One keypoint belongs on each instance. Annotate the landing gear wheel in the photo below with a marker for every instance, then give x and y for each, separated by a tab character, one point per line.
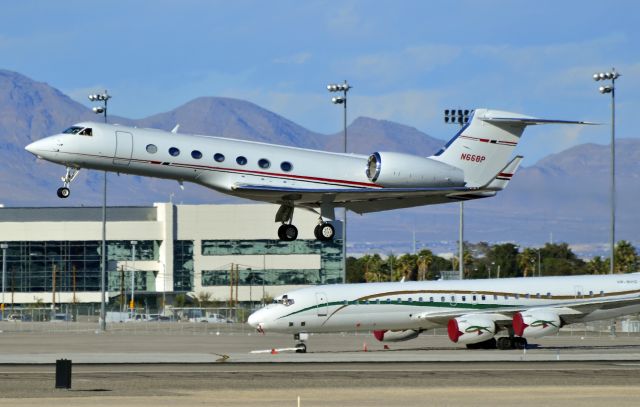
504	343
519	343
324	231
287	232
63	192
301	348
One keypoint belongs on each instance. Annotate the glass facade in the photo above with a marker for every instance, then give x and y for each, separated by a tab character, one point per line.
75	265
330	271
183	265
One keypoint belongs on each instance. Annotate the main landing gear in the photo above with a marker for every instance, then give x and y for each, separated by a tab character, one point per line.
64	191
324	231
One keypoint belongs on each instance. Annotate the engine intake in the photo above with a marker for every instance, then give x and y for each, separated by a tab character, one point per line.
397	170
536	323
471	329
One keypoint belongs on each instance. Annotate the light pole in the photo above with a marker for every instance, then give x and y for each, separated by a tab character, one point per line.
461	117
103	256
612	76
342	100
4	247
132	304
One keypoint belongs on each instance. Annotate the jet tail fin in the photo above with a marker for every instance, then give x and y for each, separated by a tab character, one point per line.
485	144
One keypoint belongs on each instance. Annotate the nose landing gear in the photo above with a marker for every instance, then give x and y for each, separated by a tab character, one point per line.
64	191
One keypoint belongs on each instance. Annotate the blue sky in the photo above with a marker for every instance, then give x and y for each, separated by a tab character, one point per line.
406	60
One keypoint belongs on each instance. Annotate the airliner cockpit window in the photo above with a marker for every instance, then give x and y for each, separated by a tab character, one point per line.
73	130
86	132
286	301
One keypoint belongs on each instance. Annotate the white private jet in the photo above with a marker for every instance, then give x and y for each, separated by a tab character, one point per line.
473	311
473	164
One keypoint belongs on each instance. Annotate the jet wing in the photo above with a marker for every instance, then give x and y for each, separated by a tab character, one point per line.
359	200
569	312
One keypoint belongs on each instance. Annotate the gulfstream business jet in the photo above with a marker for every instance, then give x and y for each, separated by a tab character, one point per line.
475	163
489	313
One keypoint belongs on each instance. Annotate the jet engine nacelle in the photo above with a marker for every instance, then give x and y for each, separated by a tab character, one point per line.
471	329
396	336
536	323
397	170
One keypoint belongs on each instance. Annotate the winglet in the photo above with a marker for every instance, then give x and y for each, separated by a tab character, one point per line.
175	129
502	178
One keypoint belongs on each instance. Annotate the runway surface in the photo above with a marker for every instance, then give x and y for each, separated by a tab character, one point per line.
333	384
214	366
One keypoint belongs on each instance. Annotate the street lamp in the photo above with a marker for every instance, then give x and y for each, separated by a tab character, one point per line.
4	247
342	100
132	304
461	117
612	76
103	257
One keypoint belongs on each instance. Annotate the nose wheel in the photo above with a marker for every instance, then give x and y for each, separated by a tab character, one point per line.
64	192
70	175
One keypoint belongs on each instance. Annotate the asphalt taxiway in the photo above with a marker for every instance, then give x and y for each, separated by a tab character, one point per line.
214	365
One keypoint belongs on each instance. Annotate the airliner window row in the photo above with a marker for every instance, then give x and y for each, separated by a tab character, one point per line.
453	298
263	163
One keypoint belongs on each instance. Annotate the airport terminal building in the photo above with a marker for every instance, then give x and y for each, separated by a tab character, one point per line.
53	255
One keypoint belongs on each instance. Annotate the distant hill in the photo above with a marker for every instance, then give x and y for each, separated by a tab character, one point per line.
565	194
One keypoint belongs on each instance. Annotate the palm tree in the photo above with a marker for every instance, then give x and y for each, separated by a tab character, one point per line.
626	257
425	258
527	260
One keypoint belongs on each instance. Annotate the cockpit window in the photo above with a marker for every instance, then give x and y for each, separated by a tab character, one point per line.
86	132
73	130
284	300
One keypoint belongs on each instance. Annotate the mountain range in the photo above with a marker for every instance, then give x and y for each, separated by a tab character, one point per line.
565	195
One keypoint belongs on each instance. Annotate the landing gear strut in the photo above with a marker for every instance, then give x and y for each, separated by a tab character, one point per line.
64	191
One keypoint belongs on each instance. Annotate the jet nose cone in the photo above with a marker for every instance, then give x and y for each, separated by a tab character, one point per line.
39	146
254	319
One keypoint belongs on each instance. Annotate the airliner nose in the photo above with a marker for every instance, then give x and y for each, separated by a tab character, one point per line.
254	319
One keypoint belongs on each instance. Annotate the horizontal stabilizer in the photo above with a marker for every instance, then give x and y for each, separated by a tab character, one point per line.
493	116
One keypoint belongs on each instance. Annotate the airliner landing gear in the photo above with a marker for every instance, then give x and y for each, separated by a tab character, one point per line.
287	232
64	191
513	342
301	347
324	231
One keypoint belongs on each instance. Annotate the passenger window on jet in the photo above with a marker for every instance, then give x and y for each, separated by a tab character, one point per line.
495	297
241	160
286	166
441	299
264	163
474	298
152	149
419	299
602	293
538	295
590	293
196	154
72	130
464	298
86	132
430	299
174	151
218	157
399	300
483	298
388	300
